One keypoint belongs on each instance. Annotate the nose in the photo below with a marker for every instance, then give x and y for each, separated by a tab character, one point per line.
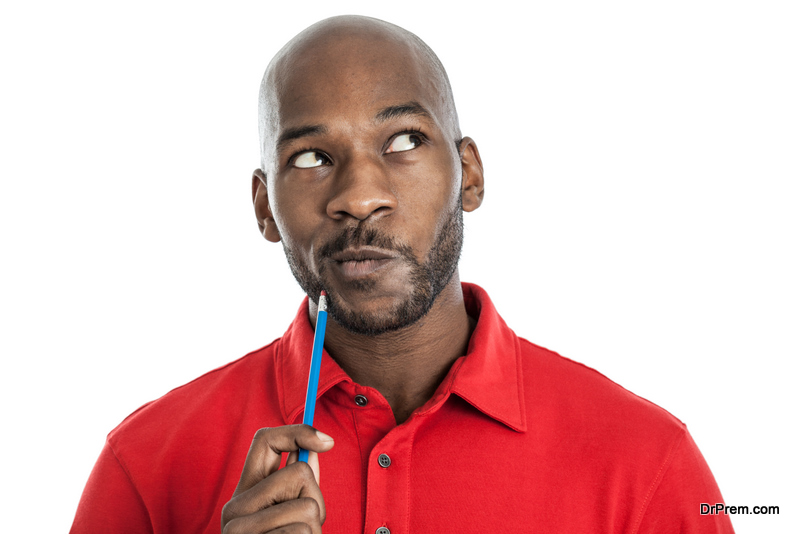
362	189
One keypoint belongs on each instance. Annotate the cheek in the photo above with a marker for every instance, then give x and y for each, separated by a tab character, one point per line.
432	181
428	198
293	217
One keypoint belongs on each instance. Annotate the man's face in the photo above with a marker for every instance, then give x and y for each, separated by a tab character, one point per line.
365	182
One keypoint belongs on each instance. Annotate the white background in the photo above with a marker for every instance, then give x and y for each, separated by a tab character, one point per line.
641	213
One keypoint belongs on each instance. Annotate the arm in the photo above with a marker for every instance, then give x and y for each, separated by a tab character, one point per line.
110	501
675	503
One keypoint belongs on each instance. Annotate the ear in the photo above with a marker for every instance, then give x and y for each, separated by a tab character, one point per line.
471	175
266	223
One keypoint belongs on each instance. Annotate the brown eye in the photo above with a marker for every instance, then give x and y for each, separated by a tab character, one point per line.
310	159
404	142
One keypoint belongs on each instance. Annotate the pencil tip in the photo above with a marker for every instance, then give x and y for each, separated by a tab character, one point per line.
323	294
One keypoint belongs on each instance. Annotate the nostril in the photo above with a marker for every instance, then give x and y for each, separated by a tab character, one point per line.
361	208
361	188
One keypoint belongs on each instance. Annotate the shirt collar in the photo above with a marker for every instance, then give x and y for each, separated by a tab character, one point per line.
489	376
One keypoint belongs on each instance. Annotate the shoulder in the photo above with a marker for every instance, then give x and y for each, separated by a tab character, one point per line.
184	451
587	402
623	454
209	400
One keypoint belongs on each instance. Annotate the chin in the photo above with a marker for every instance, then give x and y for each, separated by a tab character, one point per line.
373	317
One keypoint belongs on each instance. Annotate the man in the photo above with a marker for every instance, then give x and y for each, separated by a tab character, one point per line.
442	418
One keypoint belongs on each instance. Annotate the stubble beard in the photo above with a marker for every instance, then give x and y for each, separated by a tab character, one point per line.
427	279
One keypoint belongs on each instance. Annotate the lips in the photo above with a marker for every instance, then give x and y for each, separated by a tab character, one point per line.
361	262
362	254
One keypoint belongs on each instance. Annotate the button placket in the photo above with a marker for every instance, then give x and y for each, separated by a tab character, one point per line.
388	488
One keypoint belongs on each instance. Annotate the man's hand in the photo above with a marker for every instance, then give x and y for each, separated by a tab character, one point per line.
268	498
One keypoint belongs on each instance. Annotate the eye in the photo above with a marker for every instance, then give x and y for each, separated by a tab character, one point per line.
310	159
403	142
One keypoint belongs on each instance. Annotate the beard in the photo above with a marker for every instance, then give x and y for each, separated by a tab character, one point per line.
427	279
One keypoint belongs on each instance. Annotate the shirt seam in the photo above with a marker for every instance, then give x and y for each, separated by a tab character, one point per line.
364	477
659	478
208	373
132	483
596	372
279	364
523	419
408	478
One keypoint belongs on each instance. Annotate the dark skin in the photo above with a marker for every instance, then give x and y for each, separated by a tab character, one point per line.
402	174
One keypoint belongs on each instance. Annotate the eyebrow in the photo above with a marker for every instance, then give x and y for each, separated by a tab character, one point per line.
403	110
296	133
409	109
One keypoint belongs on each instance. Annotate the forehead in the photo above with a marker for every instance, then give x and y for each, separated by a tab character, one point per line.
348	78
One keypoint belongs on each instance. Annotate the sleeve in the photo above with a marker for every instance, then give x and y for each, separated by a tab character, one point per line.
110	501
675	505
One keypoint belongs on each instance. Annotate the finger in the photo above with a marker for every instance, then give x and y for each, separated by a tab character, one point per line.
264	456
294	482
298	515
313	462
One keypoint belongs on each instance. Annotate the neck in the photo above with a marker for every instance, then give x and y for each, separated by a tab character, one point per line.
406	365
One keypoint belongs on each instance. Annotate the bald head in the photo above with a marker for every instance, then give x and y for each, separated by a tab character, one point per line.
350	56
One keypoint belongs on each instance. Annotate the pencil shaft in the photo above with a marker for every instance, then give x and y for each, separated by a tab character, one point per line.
313	374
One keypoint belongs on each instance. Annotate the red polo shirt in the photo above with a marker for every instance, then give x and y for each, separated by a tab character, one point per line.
516	438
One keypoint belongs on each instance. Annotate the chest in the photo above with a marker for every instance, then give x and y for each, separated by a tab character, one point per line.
458	469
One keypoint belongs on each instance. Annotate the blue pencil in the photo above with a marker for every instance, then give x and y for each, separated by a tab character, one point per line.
316	363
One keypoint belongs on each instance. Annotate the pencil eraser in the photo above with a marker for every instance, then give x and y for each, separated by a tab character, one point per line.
323	294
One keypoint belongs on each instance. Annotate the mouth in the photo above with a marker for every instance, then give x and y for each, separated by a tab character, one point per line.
362	254
361	262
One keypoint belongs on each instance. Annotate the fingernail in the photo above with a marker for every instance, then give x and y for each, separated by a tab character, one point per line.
323	437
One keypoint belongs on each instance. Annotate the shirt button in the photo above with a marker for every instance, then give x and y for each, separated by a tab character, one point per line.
384	460
361	400
382	530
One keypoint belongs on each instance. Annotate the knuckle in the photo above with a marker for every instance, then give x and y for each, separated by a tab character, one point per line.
310	508
305	472
229	512
303	528
227	515
261	433
231	527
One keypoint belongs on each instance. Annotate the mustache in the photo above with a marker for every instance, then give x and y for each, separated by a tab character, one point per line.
362	236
